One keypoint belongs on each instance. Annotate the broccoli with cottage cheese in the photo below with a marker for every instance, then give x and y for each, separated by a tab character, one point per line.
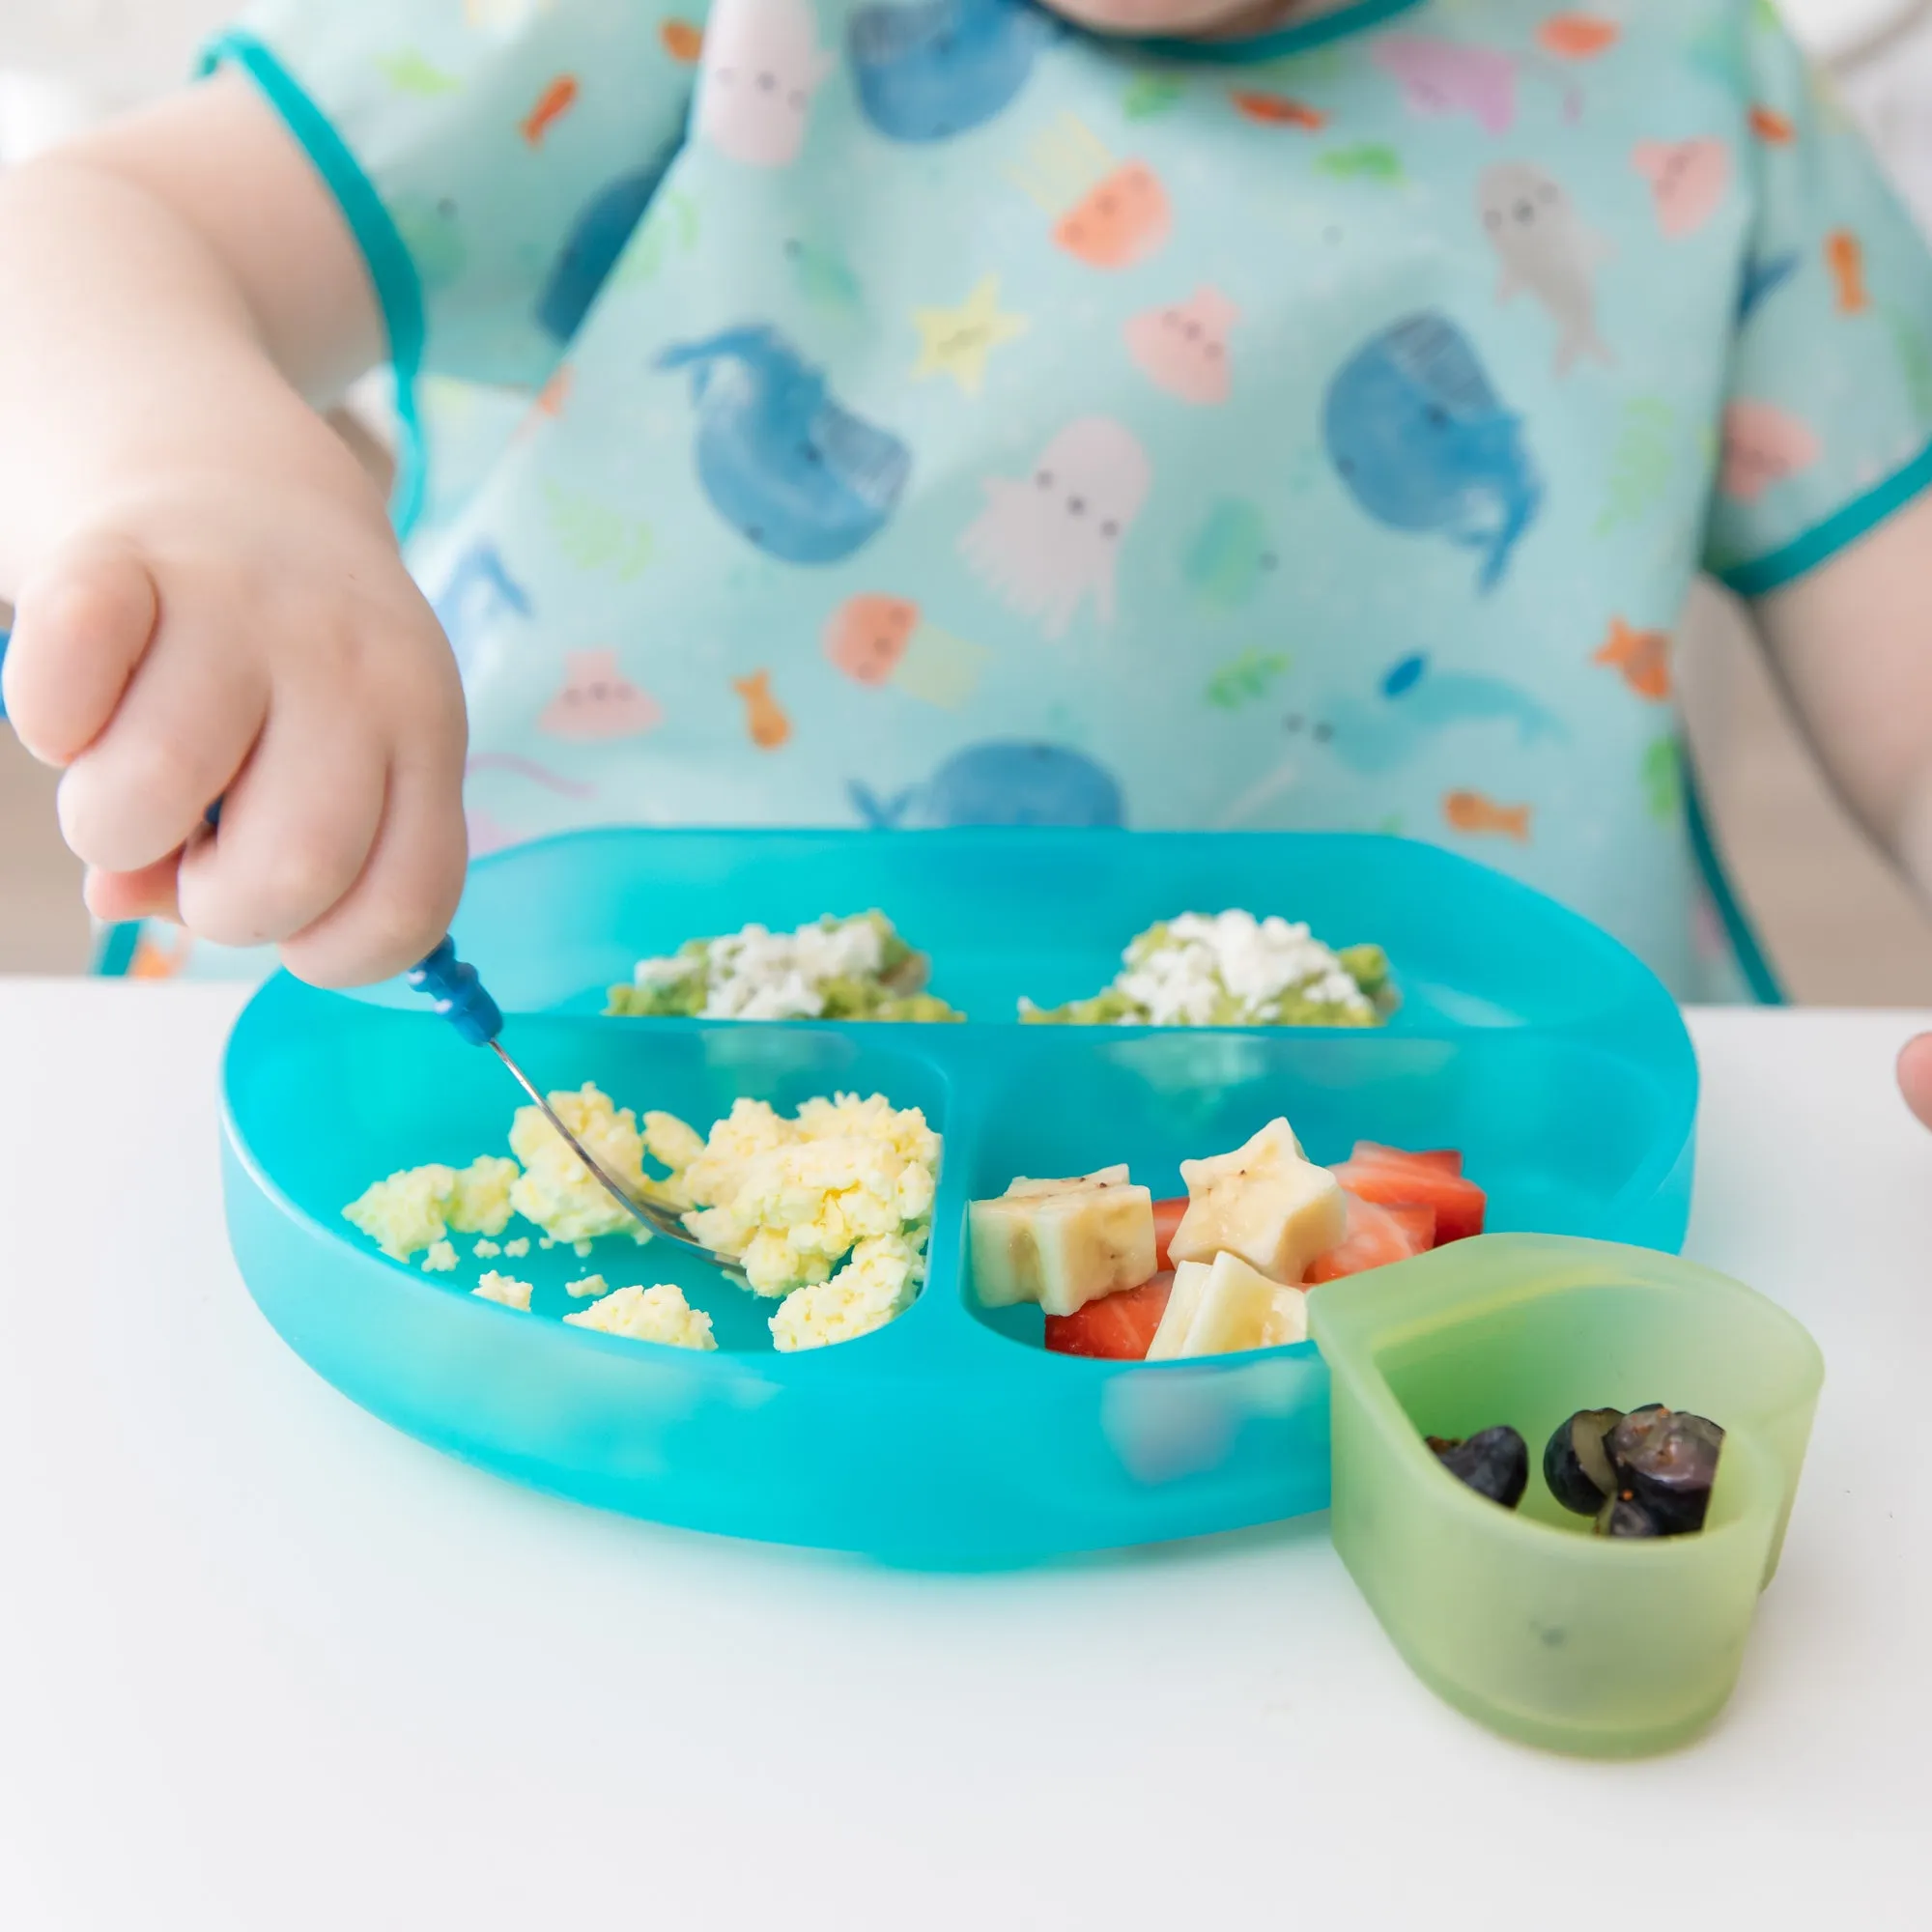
1235	970
834	969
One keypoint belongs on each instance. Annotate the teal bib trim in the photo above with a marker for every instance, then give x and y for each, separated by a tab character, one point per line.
1284	41
398	291
1816	547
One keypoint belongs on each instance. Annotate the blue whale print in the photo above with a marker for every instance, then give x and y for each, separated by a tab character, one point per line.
1426	445
1001	784
1416	703
601	234
781	459
939	68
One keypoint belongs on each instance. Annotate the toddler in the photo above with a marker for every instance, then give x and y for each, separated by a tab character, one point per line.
1171	413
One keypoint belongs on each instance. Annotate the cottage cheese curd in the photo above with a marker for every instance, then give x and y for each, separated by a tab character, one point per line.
1233	969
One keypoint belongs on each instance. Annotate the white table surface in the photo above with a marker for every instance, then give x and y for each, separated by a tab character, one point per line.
266	1665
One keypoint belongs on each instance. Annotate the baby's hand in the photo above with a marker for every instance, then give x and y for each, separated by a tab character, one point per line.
1914	1077
236	638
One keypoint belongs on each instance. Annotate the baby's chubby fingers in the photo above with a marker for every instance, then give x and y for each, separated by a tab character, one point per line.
296	825
117	898
80	629
183	730
402	904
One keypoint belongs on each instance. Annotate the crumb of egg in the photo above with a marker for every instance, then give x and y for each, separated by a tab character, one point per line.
518	1248
875	1286
440	1258
591	1283
486	1251
504	1290
658	1313
555	1190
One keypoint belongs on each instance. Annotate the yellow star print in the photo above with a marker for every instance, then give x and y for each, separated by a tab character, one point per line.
956	342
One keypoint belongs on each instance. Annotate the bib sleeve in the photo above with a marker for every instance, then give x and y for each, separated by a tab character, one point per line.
492	157
1827	425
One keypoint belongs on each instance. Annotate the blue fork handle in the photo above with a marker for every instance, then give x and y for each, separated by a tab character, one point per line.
450	985
455	991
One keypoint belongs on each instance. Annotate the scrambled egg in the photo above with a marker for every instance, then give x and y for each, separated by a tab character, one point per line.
518	1248
876	1285
440	1258
591	1283
504	1289
649	1314
789	1198
416	1208
556	1189
486	1250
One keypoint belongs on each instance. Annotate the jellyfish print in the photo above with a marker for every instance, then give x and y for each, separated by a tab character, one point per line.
596	702
876	639
762	66
1047	542
1106	213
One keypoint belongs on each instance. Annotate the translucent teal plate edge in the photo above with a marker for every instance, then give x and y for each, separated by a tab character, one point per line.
950	1440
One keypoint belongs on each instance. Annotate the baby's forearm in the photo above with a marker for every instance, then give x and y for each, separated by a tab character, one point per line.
129	354
1854	645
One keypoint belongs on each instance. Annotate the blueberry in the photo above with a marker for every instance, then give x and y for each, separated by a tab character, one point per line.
1667	1460
1624	1518
1494	1464
1577	1465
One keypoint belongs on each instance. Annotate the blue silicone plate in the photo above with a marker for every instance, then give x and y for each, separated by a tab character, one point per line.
952	1438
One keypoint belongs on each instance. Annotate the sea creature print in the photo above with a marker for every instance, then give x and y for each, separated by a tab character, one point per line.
1230	557
1689	180
1440	78
931	69
1105	212
1642	657
761	68
1577	36
956	342
596	242
877	640
1183	347
411	71
1477	816
1415	704
1773	129
683	41
1425	446
597	704
1047	542
1763	277
552	105
1548	251
1001	783
1245	679
476	597
1764	445
1278	110
765	719
154	959
781	459
1845	258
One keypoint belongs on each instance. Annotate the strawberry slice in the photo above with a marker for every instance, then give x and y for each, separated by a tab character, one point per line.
1393	1178
1377	1237
1166	1219
1117	1328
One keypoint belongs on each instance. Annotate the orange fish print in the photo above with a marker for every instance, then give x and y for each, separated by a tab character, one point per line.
153	961
1643	657
1577	36
1479	817
552	104
556	392
764	716
1768	124
682	42
1845	257
1277	110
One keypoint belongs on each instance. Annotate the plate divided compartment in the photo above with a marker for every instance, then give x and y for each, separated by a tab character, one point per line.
952	1438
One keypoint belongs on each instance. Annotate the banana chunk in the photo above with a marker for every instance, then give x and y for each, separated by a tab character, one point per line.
1063	1243
1226	1308
1266	1202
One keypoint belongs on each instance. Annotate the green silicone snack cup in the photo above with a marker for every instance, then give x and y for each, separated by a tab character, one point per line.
1525	1621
